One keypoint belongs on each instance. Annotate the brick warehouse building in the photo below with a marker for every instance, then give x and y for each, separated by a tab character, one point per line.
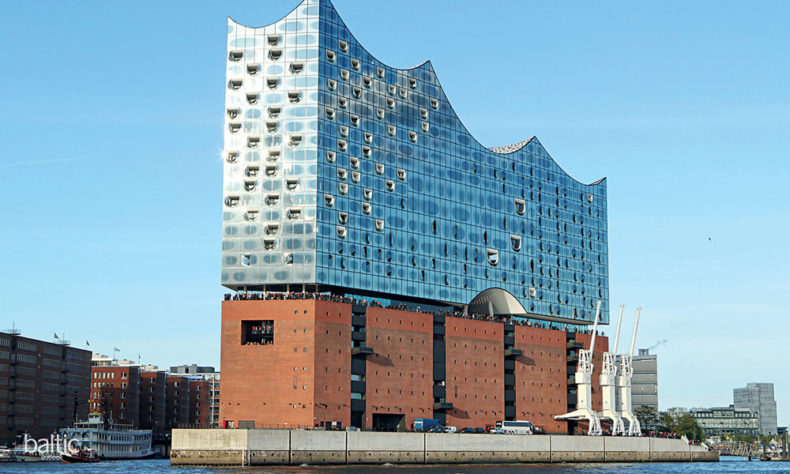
149	399
204	403
468	373
115	391
351	182
153	402
43	385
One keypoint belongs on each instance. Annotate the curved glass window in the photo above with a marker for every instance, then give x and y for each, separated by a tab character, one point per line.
493	256
515	242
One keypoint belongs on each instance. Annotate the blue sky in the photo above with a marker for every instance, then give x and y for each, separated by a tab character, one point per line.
111	118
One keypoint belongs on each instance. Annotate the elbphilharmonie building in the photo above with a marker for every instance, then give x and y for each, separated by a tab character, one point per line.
410	254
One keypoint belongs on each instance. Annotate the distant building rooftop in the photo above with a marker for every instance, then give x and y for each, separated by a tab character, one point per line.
191	369
101	360
645	353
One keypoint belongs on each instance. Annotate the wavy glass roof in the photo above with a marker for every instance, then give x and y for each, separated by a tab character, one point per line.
426	69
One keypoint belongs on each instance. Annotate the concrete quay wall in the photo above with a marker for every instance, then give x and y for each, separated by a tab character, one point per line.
442	448
214	447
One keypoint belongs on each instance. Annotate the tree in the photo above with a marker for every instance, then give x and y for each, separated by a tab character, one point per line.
687	425
648	417
665	421
680	421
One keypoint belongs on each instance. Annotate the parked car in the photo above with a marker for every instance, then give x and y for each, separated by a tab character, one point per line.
450	429
436	429
468	430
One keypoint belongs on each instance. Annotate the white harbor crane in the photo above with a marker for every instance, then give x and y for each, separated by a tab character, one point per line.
584	370
625	371
608	389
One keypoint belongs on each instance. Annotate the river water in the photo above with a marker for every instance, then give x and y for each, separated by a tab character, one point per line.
727	464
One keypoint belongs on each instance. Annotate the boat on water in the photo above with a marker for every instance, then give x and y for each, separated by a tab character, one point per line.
20	455
83	455
108	439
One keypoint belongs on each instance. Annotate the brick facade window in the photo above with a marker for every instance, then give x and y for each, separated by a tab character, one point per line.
257	332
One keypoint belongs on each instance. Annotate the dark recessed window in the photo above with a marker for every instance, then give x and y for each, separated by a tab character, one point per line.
258	332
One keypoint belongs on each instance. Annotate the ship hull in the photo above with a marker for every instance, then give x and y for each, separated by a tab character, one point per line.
27	458
68	459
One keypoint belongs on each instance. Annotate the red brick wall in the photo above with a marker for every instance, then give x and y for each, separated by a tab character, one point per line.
270	384
199	402
541	387
475	372
400	373
152	401
49	381
333	362
120	389
177	401
258	380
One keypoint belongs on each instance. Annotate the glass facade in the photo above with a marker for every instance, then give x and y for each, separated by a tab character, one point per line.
727	420
343	172
759	398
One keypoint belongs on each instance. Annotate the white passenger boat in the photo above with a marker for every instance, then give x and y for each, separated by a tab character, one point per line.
110	440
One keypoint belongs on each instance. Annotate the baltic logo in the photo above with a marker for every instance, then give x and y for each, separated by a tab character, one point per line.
55	445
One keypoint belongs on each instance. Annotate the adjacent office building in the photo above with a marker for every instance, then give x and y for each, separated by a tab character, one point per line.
189	402
437	277
148	398
720	421
644	383
191	369
115	392
759	398
206	403
43	385
153	402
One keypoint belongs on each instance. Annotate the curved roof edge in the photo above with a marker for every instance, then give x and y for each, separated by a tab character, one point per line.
501	150
427	64
513	147
269	24
328	3
597	182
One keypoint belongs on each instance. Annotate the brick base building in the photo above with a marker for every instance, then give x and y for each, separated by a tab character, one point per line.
152	400
43	386
313	363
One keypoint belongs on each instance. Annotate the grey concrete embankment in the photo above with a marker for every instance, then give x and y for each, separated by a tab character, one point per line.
318	447
443	448
629	449
284	447
367	447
